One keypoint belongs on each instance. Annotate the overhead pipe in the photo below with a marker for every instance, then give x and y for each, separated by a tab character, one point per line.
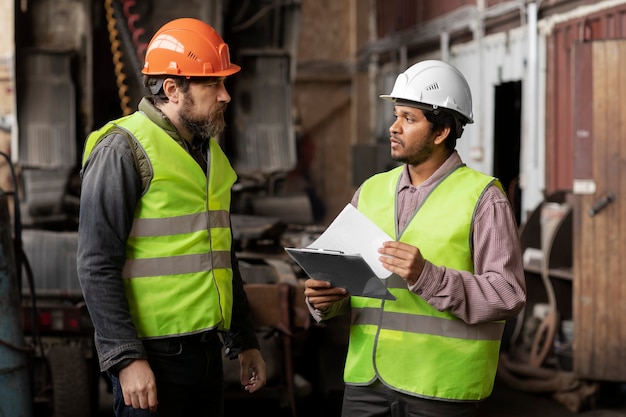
533	152
477	146
444	42
459	19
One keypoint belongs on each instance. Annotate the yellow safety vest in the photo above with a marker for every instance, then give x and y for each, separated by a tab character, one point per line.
178	273
406	343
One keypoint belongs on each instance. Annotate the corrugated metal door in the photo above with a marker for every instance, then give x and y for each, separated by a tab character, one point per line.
599	289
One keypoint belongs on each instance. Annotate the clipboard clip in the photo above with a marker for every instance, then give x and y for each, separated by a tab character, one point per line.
337	252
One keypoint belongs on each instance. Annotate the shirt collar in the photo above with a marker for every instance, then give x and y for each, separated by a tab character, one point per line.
451	163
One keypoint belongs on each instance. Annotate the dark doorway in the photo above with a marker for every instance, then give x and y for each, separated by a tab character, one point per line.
507	133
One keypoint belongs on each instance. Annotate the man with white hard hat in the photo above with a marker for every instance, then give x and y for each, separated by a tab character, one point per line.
456	263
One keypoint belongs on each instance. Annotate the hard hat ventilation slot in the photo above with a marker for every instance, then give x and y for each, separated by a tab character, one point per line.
193	56
433	86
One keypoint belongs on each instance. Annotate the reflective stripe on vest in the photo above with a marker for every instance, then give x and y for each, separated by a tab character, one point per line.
178	272
406	342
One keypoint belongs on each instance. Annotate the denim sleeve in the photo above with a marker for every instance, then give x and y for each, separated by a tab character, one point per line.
110	191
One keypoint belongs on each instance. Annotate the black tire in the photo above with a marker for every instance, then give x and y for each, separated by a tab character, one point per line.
70	385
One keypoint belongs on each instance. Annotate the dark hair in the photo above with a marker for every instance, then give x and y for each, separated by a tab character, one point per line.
440	120
153	83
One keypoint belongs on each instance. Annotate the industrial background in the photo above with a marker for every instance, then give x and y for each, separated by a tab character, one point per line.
305	128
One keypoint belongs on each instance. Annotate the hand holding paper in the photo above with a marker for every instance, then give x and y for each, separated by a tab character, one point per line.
346	254
353	233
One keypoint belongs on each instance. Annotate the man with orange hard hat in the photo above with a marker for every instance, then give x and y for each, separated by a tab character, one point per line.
155	259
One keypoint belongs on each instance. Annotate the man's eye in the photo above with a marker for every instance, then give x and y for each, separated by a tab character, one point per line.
210	84
407	118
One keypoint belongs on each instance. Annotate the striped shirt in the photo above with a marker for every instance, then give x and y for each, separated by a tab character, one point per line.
497	288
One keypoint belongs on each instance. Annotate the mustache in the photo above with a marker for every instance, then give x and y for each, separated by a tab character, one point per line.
221	108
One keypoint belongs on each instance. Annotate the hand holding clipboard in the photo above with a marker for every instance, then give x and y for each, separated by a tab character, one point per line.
346	255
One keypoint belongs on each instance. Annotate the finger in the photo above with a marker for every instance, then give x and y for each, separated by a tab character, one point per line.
316	284
336	293
153	402
325	300
389	253
326	297
389	261
254	383
392	252
244	375
127	399
144	403
249	381
136	401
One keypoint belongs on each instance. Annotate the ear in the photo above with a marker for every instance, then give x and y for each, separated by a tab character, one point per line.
170	89
441	135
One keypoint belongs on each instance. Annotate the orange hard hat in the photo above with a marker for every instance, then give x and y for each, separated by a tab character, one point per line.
188	47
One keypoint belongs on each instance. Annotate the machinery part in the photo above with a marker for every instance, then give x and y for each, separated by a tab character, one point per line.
14	399
127	46
137	32
434	84
70	387
122	88
188	47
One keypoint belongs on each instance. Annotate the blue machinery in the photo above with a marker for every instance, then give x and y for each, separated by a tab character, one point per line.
15	389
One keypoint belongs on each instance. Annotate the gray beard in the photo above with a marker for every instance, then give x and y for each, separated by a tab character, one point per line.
204	128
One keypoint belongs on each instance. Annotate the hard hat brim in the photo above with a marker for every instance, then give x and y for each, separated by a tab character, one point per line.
422	106
233	69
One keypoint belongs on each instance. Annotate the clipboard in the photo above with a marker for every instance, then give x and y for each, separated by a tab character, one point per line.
349	271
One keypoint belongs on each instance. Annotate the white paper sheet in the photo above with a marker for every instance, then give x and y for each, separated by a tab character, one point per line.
351	232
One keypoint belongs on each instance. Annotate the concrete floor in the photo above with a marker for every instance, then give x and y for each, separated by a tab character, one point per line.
504	402
508	402
324	354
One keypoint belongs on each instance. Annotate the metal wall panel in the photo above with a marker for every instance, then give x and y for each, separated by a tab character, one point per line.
263	124
47	137
47	113
500	58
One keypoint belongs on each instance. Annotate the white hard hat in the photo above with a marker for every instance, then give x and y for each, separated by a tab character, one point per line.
435	84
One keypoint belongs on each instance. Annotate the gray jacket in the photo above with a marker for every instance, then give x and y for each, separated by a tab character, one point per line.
113	180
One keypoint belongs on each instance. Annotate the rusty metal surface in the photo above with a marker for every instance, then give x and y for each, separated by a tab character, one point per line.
560	110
